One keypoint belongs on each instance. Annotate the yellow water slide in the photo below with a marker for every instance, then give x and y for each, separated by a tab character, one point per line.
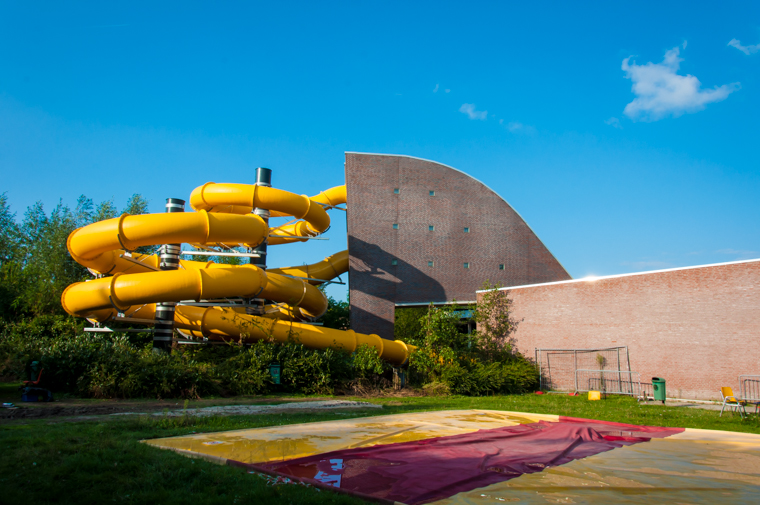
128	285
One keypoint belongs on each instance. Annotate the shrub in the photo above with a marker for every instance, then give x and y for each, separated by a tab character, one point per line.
478	363
116	366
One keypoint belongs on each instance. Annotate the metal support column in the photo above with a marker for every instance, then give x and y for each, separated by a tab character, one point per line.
575	368
263	178
168	260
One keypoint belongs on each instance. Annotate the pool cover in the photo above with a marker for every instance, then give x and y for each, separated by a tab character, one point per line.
464	457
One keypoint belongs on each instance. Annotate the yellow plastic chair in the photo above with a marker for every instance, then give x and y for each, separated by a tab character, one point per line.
729	400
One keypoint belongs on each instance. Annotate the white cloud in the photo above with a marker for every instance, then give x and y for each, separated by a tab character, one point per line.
518	127
448	90
435	90
469	109
661	92
745	49
614	122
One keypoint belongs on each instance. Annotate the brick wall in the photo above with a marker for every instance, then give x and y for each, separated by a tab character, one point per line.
497	235
698	328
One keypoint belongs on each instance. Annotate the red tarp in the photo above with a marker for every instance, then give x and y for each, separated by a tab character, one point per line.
432	469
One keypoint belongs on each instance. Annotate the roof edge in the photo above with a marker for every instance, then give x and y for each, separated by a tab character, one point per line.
480	182
605	277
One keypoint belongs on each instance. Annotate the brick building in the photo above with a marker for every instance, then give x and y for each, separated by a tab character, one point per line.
697	327
421	232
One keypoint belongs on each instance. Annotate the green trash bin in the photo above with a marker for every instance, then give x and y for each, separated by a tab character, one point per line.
658	385
275	371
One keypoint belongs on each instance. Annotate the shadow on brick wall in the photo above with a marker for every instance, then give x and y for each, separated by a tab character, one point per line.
384	284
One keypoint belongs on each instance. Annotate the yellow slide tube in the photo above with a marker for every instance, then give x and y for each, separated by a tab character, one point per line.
329	268
289	233
83	299
219	323
295	293
220	195
242	198
87	244
217	198
331	197
122	291
137	284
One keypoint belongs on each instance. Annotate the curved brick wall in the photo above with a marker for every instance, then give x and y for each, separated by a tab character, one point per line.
498	235
696	327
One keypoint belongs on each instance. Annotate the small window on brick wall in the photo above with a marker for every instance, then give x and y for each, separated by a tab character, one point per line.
467	229
430	263
394	262
467	264
501	266
395	226
432	193
396	191
431	227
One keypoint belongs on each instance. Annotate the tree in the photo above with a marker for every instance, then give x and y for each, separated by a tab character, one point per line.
495	325
35	264
47	266
105	210
337	314
8	231
136	205
407	326
83	214
9	242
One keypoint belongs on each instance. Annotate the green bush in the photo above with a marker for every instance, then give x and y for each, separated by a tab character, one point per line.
20	341
244	371
448	360
105	365
132	373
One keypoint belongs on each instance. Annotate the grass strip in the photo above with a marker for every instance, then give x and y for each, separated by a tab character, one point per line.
103	461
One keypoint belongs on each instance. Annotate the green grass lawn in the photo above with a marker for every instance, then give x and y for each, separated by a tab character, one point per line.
9	392
102	461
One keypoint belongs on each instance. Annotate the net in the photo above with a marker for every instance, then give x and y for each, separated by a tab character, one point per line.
558	366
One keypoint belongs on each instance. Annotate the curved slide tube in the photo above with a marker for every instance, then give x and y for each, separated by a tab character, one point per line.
130	284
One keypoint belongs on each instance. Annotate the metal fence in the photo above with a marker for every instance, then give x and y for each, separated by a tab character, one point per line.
647	391
557	366
750	387
615	382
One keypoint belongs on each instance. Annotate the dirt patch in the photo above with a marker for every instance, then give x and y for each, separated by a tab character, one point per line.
232	410
79	408
89	408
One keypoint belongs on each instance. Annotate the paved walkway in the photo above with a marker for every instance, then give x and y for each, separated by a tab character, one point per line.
693	405
232	410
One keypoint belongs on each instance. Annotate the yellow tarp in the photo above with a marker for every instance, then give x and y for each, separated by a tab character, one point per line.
693	467
281	443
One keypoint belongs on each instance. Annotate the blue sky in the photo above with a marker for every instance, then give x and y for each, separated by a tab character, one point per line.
624	133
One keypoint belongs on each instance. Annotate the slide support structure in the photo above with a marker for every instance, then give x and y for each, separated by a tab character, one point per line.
263	178
163	332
